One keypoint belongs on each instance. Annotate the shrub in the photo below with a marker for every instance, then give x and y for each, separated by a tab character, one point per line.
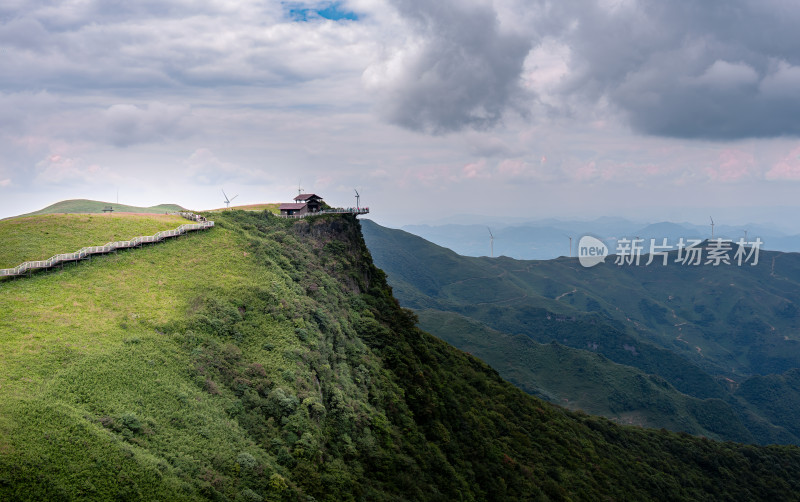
248	495
246	460
131	422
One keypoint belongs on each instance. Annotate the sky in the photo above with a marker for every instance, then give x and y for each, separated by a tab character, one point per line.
643	109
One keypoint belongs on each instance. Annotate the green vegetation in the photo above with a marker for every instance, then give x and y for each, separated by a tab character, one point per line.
584	380
40	237
267	359
272	207
703	330
94	206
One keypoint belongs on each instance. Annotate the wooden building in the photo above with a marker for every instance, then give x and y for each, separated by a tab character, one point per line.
303	204
293	209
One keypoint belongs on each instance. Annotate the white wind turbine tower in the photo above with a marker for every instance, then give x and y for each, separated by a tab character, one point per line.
570	245
227	200
712	228
491	240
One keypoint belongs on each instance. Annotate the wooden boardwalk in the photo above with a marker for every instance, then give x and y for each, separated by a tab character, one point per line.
88	252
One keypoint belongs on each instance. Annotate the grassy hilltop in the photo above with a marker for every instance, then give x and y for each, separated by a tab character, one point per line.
272	207
94	206
267	359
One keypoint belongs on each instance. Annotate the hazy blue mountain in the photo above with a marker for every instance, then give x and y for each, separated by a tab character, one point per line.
550	238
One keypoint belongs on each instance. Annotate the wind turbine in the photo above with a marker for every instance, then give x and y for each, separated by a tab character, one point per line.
227	200
358	198
299	190
491	240
570	246
712	228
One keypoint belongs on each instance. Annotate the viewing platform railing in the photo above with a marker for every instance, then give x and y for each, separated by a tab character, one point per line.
338	210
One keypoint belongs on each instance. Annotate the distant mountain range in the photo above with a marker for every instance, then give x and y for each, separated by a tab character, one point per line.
706	350
549	238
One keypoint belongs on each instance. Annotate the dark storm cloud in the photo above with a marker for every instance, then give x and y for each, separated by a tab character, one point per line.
716	69
464	71
712	69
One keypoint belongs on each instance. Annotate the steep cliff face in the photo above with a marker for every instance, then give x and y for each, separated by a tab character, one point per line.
268	360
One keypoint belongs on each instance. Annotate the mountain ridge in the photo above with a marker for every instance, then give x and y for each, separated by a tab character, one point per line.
268	360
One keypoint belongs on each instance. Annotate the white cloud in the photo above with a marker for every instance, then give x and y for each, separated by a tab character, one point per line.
57	169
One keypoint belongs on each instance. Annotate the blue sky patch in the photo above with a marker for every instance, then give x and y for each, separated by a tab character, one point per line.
326	10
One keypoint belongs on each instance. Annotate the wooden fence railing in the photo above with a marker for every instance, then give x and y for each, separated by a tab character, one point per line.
87	252
351	210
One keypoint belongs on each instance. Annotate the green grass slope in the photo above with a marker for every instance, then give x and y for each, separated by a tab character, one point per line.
272	207
28	238
705	330
268	360
94	206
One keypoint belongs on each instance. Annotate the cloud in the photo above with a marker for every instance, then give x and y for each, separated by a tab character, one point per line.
476	169
682	68
18	110
459	68
58	169
77	46
5	182
205	168
722	75
125	124
733	165
788	168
